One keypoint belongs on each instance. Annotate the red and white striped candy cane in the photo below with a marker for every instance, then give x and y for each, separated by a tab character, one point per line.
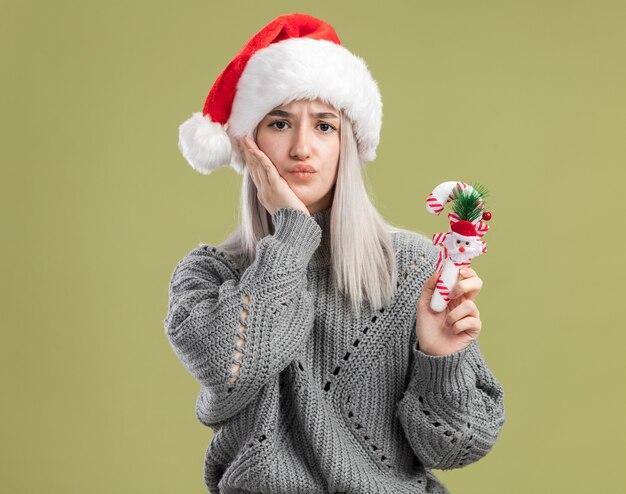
443	194
437	199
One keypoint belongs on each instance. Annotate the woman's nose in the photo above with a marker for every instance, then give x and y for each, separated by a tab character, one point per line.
301	148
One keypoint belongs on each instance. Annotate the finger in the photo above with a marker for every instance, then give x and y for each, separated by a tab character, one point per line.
259	159
257	169
467	272
428	289
242	149
251	143
466	309
430	284
265	164
472	325
470	287
252	163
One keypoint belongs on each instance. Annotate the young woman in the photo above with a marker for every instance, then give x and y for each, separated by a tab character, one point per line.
322	367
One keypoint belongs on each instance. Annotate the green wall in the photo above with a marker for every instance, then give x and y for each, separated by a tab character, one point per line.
98	206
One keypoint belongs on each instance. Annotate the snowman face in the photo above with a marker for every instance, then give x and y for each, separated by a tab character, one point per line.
462	248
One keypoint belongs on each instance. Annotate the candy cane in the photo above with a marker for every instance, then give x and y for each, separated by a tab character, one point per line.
443	194
449	272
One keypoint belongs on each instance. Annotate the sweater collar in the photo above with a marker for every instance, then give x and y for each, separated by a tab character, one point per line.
321	256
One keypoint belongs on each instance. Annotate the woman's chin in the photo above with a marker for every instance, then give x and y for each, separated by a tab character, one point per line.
307	199
301	190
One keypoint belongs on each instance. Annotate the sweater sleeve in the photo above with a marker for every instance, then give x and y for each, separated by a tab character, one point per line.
262	315
452	410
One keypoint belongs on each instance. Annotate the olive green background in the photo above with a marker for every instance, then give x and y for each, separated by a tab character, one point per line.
98	206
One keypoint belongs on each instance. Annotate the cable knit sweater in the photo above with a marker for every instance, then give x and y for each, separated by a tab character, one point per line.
325	400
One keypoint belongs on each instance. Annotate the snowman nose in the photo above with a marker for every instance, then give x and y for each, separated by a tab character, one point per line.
461	249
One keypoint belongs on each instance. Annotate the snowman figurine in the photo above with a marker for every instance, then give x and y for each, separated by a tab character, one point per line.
463	241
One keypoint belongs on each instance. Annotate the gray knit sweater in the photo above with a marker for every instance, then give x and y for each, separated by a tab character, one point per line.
326	400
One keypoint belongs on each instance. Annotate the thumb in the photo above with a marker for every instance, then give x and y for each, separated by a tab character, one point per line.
431	283
429	287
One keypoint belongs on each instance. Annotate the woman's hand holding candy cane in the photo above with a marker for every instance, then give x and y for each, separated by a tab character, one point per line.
447	332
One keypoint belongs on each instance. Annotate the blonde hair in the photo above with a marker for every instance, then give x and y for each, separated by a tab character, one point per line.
362	255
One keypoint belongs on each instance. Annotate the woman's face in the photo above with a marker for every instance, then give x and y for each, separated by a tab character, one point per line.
304	134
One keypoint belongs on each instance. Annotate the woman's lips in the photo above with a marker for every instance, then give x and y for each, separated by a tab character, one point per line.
302	175
303	168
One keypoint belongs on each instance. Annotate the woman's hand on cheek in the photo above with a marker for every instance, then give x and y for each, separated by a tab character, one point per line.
273	191
447	332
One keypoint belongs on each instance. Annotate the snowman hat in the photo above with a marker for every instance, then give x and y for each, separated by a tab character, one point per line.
294	57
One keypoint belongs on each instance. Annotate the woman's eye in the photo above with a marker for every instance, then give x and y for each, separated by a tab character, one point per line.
326	128
278	124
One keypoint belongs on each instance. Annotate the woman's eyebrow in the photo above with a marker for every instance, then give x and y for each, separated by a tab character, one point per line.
281	113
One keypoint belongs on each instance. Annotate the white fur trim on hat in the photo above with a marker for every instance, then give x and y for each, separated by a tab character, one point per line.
306	68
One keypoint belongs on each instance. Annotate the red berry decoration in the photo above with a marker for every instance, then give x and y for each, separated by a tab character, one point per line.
486	216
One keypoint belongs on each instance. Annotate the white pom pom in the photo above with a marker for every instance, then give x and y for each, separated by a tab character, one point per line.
204	144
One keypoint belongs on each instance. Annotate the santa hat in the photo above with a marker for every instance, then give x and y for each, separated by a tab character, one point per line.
294	57
464	228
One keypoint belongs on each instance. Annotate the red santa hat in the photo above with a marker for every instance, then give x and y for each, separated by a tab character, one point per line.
294	57
464	228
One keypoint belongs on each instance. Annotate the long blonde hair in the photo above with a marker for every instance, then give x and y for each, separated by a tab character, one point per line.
362	254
